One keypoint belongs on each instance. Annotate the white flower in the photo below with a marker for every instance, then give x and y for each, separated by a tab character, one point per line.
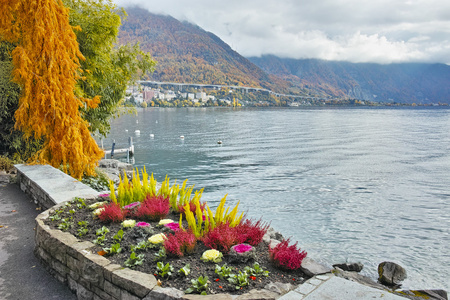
98	211
165	221
157	238
97	205
128	223
212	255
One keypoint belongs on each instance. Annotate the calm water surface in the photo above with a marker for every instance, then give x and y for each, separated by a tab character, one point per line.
364	185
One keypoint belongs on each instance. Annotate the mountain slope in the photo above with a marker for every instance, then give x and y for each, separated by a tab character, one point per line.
406	83
187	53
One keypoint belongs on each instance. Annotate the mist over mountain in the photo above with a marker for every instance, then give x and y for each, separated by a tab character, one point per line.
187	53
403	83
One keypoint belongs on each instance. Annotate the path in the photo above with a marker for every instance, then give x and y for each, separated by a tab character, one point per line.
21	274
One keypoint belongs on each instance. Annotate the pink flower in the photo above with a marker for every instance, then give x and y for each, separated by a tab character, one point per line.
131	205
174	226
103	195
241	248
142	224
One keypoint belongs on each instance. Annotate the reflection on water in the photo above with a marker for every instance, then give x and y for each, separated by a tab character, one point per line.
349	184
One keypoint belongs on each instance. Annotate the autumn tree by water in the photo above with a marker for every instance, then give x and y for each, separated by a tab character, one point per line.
47	65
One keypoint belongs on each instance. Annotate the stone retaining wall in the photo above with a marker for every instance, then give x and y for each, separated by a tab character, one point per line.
89	275
92	276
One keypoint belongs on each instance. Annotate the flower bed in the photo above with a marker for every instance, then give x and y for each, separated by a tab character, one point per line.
199	257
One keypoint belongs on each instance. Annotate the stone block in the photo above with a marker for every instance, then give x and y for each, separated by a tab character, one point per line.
83	293
125	295
312	268
77	249
208	297
258	295
92	269
74	264
101	294
60	268
351	267
109	269
137	282
159	293
305	288
71	282
111	289
43	255
278	287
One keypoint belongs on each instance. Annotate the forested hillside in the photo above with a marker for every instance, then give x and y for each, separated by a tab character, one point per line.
187	53
403	83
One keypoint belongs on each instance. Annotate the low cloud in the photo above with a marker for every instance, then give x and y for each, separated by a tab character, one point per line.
351	30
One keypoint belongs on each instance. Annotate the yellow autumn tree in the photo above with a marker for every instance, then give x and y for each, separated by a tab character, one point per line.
46	66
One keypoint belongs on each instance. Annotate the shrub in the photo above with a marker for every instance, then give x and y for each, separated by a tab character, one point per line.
287	257
192	207
251	233
180	243
221	238
6	163
111	213
154	208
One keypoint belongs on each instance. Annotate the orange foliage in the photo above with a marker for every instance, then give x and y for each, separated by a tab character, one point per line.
46	62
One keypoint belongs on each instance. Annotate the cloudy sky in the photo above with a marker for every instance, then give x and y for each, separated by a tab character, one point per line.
381	31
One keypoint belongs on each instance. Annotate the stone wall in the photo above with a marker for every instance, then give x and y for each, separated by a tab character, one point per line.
92	276
89	275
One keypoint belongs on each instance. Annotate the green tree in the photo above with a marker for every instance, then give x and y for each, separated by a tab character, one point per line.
107	69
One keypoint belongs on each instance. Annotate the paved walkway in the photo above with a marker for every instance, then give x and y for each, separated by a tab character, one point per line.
330	287
21	275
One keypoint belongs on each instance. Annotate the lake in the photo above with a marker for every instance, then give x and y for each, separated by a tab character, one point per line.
349	184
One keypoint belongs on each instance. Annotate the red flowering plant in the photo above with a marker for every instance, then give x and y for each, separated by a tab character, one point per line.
132	208
154	208
112	212
180	243
221	238
251	233
285	256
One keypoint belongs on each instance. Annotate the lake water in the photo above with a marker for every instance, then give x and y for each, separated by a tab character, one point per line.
352	185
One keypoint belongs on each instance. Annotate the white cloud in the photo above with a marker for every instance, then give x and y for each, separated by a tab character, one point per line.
381	31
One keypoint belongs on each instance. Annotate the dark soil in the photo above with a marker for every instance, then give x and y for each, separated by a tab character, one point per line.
133	236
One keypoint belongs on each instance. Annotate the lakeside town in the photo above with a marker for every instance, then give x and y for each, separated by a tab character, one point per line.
192	95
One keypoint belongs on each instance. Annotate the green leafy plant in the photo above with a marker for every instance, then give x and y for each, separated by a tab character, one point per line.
100	240
78	202
240	280
256	270
199	285
223	271
161	255
142	245
82	228
186	270
102	231
164	270
65	224
118	236
134	260
98	183
114	249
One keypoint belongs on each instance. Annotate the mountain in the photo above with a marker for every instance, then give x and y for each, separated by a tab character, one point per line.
402	83
188	54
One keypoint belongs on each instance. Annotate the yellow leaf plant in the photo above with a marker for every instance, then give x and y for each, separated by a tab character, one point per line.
46	65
